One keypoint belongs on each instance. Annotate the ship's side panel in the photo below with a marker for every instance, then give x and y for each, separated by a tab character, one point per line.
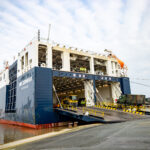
125	85
44	112
10	103
25	110
3	98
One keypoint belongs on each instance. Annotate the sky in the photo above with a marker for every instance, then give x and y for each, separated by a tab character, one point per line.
122	26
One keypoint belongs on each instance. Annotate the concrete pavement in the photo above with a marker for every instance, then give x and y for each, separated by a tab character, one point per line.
129	135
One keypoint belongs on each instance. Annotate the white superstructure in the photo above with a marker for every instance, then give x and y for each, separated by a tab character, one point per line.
4	77
41	53
59	57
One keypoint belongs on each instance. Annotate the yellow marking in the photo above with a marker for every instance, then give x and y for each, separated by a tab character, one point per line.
83	109
103	114
141	113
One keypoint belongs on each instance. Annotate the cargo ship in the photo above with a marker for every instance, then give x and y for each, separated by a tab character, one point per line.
45	72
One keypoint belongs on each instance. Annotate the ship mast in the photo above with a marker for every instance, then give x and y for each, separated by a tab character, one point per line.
49	27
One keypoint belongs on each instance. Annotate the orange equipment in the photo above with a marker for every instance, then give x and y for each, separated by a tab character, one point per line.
122	65
119	61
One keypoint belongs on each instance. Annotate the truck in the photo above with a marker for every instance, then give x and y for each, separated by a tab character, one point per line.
128	99
82	102
70	100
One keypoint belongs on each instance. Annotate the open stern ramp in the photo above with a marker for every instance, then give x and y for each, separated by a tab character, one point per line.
89	114
94	114
77	115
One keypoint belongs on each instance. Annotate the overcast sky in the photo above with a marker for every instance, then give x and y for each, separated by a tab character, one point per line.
120	25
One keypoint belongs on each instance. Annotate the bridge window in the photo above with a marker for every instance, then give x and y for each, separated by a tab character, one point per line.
22	62
26	59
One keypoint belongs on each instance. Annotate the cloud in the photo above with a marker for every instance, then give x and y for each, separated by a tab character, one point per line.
122	26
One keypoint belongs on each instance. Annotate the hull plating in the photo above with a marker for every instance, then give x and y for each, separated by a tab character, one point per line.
34	98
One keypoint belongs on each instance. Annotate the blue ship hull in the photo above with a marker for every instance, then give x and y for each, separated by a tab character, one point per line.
34	97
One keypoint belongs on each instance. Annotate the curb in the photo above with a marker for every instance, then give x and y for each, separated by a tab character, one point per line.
43	136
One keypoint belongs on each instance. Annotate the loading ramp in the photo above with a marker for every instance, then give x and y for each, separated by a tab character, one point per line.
89	114
79	116
95	114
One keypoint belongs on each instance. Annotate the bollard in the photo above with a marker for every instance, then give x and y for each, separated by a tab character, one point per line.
70	124
103	114
76	109
83	109
133	112
75	124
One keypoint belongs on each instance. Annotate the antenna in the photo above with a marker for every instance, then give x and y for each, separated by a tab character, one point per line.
49	27
38	35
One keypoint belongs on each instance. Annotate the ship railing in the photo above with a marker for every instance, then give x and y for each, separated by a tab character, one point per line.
53	43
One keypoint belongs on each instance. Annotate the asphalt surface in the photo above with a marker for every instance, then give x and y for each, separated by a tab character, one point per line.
131	135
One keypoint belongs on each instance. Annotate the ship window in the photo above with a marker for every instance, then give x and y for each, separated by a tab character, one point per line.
22	62
4	76
26	59
30	61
